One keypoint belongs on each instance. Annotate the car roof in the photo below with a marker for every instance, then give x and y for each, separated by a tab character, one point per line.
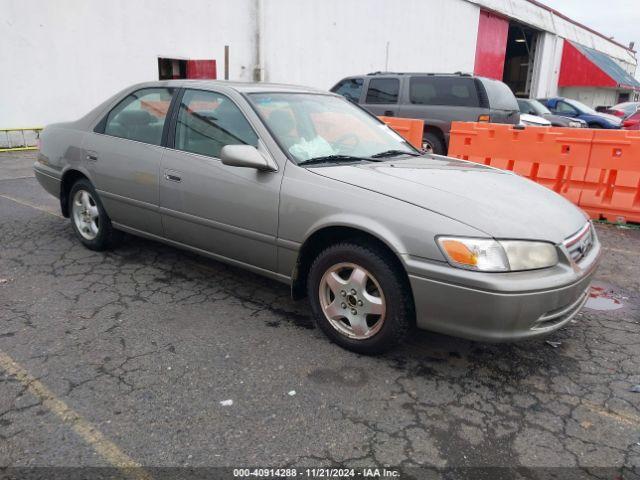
243	87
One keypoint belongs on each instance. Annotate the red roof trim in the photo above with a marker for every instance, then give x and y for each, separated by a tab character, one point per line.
576	70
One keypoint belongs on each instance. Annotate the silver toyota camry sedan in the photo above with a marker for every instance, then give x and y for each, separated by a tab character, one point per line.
309	189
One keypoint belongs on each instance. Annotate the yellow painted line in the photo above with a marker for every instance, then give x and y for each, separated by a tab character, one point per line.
29	204
105	448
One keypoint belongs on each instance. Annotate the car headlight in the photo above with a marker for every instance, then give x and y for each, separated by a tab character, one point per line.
488	255
575	124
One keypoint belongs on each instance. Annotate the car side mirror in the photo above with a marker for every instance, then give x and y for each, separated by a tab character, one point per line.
246	156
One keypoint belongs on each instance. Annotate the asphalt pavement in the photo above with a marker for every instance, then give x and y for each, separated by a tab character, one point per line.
148	356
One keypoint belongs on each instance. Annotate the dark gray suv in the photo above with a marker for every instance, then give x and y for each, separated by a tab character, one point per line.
438	99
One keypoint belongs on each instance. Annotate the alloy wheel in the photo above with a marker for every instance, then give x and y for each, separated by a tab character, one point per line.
352	301
86	215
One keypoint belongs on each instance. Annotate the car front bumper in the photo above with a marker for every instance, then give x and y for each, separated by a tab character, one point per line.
500	307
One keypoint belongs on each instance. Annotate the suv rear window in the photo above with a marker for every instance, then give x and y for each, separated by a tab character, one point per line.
451	91
350	88
383	90
499	95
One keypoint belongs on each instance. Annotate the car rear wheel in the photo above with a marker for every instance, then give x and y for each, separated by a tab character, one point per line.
595	125
90	222
359	297
432	143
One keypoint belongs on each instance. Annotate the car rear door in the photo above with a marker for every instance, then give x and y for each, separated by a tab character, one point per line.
227	211
123	156
381	95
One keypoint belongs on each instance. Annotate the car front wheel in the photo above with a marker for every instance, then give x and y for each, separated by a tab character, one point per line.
360	298
89	219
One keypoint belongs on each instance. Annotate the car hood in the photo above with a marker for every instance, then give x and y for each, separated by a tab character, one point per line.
533	119
499	203
612	118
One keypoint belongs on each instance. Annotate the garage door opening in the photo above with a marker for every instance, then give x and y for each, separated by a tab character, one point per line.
520	58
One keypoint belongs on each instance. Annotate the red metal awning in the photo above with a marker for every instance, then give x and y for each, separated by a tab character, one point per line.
585	67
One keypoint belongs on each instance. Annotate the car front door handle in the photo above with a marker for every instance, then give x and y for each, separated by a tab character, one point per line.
388	113
172	177
93	156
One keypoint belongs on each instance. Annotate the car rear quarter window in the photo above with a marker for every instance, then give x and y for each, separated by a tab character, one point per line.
383	90
350	88
451	91
140	116
208	121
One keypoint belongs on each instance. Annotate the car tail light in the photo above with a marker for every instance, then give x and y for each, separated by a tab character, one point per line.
618	113
484	118
630	123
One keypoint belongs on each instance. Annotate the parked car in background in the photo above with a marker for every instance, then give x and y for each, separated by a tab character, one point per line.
632	122
621	110
526	119
304	187
531	106
438	99
568	107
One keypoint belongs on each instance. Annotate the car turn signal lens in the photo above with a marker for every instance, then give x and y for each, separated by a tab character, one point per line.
484	118
460	253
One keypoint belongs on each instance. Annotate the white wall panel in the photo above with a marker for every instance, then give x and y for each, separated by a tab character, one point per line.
61	58
323	41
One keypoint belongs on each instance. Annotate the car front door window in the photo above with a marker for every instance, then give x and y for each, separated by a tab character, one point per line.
207	121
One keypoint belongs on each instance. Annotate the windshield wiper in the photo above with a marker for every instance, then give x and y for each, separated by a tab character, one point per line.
394	153
334	158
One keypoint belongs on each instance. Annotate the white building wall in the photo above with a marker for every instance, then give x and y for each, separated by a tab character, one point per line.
324	41
591	96
61	58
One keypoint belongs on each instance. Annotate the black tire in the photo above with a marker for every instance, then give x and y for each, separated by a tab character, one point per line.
595	125
434	142
106	235
399	317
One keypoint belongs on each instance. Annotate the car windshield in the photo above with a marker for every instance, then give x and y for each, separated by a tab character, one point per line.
312	127
533	107
581	106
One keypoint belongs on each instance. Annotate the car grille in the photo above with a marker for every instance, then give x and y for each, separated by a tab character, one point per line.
579	244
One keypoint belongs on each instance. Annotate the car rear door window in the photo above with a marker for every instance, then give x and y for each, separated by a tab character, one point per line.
350	88
207	121
383	90
450	91
140	116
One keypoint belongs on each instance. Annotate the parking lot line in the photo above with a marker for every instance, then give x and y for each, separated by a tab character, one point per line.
85	430
28	204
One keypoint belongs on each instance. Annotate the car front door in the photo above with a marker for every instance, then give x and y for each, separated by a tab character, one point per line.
123	156
228	211
381	97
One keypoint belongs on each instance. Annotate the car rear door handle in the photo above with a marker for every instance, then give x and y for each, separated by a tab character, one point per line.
388	113
172	177
92	156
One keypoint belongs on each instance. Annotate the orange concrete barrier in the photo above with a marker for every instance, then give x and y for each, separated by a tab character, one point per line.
599	170
553	157
612	183
409	128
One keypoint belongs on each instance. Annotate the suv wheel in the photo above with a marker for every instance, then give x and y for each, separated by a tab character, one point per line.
359	298
90	221
431	143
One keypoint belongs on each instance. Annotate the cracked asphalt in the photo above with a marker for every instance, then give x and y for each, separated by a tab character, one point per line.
146	341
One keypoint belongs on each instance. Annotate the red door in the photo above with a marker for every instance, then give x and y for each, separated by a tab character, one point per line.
491	45
205	69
